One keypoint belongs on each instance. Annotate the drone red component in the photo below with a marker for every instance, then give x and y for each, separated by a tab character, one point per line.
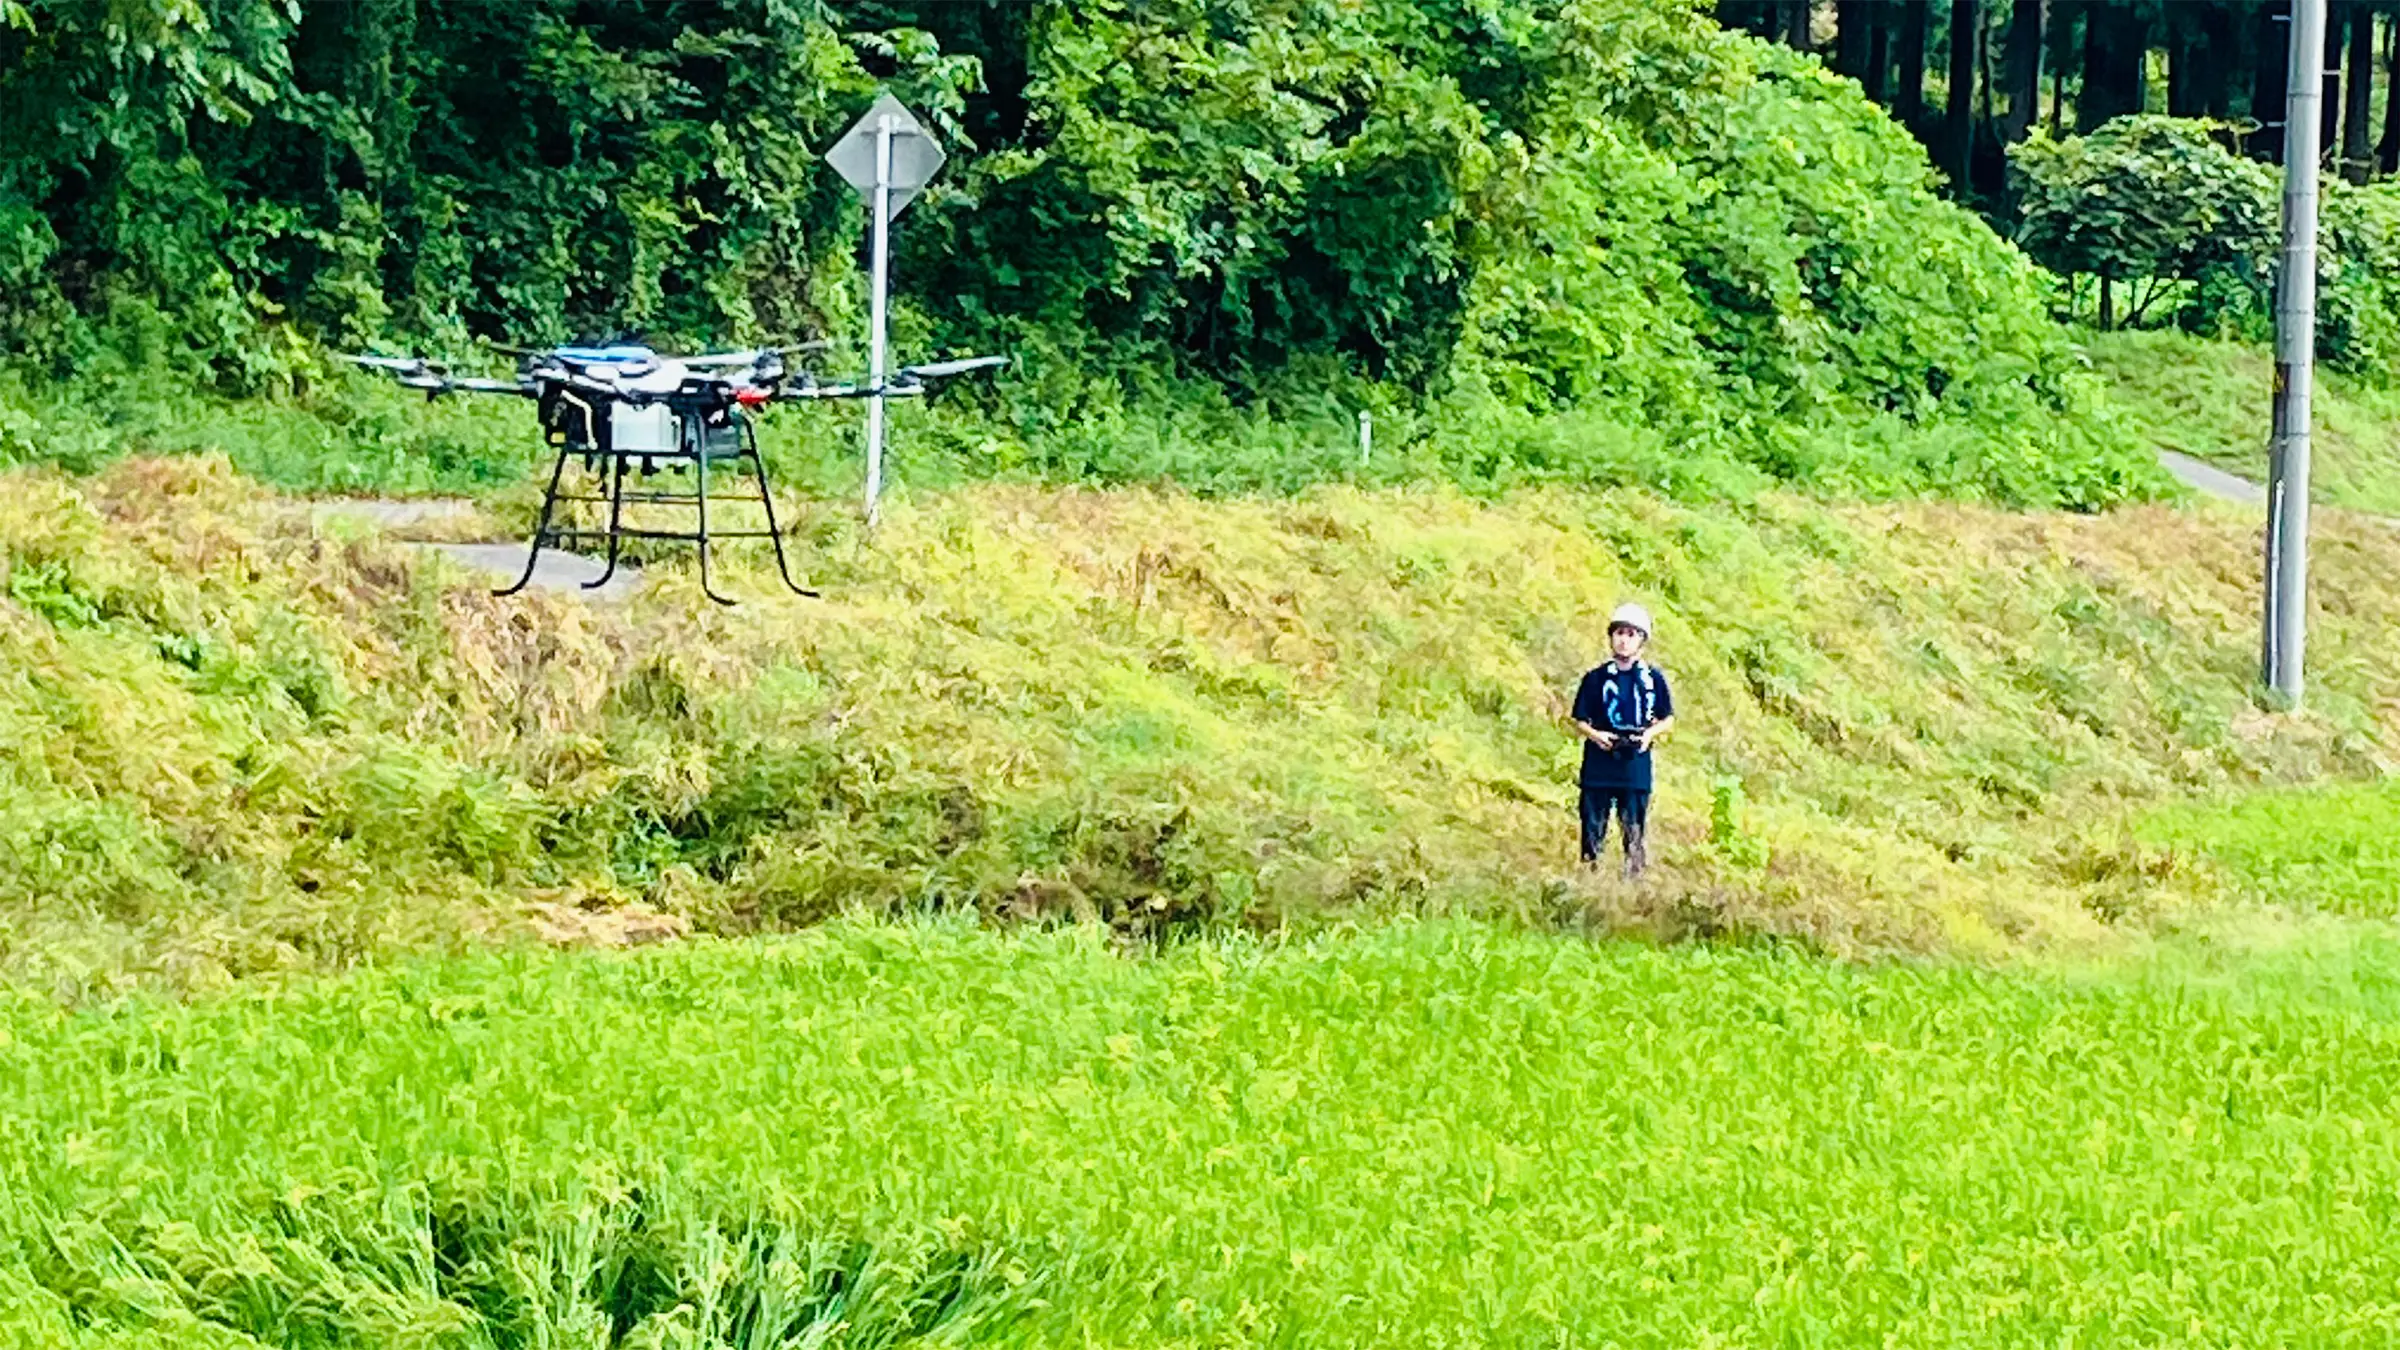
751	398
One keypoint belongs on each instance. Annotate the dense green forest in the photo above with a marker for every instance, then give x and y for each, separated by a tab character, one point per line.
2131	145
2005	71
1592	241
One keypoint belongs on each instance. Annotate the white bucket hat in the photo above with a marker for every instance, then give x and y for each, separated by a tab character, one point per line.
1630	616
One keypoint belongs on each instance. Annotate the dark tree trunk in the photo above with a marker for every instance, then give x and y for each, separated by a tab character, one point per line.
2116	41
2184	55
1958	129
2024	70
2213	73
2329	105
1797	17
2358	101
2269	79
1988	170
1879	52
2088	96
2062	50
1908	95
2387	154
1850	43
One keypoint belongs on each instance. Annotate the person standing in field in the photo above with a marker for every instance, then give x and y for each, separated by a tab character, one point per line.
1621	709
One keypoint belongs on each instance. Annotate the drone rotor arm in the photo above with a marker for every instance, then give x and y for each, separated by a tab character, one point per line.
941	369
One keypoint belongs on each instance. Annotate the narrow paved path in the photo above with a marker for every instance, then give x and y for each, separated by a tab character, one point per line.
555	571
390	512
2209	480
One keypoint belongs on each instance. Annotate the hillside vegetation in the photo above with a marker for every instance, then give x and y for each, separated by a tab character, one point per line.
238	744
1211	234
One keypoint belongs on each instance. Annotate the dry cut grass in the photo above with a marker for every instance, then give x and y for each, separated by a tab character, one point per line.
240	743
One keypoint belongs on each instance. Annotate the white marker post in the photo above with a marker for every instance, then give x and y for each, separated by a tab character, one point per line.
888	156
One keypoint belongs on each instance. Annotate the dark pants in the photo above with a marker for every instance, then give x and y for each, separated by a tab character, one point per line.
1632	808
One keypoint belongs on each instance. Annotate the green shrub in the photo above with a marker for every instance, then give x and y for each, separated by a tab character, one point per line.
2148	200
2143	199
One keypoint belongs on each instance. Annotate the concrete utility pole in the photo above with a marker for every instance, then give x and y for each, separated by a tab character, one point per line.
2295	354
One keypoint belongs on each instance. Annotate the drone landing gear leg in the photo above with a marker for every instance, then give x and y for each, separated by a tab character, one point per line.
616	519
541	529
700	473
766	497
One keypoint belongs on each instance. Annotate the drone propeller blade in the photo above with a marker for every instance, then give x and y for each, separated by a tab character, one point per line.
938	369
479	385
392	363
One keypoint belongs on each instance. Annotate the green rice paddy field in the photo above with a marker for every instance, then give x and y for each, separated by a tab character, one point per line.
1417	1134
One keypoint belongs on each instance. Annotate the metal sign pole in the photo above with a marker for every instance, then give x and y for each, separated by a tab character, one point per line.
875	312
2295	352
888	157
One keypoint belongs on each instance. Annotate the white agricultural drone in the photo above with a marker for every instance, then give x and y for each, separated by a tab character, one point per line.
623	408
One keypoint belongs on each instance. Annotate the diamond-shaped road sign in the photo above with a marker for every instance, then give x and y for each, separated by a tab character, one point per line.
916	156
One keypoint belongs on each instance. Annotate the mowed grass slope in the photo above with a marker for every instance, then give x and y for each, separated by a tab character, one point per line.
236	743
1416	1136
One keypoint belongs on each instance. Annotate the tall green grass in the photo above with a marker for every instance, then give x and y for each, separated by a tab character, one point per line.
348	434
239	743
338	431
2331	849
1423	1135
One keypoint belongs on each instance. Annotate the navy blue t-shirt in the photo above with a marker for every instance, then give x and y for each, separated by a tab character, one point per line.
1623	701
